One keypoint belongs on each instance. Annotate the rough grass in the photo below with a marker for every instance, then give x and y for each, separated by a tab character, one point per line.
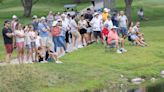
91	68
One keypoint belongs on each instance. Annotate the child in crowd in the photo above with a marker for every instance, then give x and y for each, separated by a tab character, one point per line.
33	43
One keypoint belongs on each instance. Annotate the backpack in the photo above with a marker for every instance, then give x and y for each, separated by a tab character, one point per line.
55	31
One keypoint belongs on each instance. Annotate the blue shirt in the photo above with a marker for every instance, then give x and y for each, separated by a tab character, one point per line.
35	25
42	27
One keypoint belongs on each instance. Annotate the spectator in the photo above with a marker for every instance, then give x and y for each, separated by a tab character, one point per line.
50	19
61	40
52	55
13	24
68	34
123	24
133	35
27	43
55	31
44	31
35	22
20	35
88	17
105	14
113	39
8	40
140	14
96	24
139	34
83	29
75	34
109	23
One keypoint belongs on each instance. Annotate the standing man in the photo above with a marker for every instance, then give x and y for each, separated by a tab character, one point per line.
88	17
8	40
44	32
123	21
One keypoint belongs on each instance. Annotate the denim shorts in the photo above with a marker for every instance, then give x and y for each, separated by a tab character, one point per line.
123	31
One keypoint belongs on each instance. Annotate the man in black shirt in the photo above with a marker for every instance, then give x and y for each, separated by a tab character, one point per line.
8	40
88	17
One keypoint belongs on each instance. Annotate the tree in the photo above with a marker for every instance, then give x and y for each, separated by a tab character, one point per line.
1	1
128	8
109	4
27	5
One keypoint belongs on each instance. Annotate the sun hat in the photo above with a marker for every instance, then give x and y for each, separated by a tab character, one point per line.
54	23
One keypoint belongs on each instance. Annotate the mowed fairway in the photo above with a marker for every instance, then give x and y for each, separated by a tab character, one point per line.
91	67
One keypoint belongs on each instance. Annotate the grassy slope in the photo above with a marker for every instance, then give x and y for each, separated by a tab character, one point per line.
98	68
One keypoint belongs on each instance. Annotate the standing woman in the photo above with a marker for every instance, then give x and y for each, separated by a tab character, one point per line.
75	34
83	30
8	40
19	34
27	42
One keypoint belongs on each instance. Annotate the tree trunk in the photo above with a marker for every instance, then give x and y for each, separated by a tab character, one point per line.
27	11
27	5
109	4
128	7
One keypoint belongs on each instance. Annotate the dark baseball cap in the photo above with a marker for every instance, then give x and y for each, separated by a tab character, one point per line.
6	21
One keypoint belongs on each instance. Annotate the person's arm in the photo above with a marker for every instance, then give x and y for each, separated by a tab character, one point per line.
75	24
91	23
43	28
8	34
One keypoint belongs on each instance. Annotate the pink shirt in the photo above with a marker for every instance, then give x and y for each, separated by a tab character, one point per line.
112	35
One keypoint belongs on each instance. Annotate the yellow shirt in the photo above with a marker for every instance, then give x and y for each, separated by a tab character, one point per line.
105	16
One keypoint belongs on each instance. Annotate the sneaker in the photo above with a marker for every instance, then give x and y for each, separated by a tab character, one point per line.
118	51
74	48
80	46
123	50
59	62
44	62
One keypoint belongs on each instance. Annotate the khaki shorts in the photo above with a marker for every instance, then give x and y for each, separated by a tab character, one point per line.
76	34
44	41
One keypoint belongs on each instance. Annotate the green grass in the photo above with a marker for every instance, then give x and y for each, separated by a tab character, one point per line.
89	68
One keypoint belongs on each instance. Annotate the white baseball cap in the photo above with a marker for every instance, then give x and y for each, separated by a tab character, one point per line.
114	27
43	18
106	10
54	23
59	19
34	17
96	13
14	17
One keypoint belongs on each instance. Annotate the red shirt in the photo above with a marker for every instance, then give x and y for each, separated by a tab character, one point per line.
105	31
